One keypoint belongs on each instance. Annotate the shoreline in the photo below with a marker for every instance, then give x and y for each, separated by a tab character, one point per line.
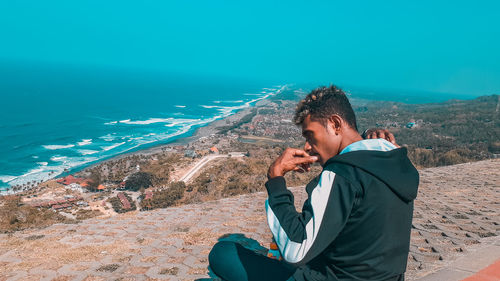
210	129
185	139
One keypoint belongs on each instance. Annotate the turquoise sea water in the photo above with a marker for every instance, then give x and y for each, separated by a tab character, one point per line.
54	119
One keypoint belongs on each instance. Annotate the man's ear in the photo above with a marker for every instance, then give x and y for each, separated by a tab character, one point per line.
336	123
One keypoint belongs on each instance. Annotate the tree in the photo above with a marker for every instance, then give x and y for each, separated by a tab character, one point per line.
94	181
138	180
165	198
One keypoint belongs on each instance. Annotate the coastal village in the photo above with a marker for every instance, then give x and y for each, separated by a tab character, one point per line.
93	189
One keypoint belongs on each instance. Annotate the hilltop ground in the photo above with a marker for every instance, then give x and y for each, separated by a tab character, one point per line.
456	211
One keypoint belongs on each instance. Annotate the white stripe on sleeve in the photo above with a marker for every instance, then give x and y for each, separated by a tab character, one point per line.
294	252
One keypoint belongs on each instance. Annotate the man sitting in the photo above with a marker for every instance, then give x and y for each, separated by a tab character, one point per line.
355	224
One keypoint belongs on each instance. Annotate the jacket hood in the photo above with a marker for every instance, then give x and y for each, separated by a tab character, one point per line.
391	167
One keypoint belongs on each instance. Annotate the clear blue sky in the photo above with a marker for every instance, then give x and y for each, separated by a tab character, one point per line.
441	46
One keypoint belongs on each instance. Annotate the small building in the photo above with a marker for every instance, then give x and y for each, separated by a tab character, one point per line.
214	150
66	180
101	187
71	180
410	125
75	187
66	206
125	203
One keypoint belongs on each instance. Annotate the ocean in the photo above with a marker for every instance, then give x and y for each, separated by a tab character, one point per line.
56	119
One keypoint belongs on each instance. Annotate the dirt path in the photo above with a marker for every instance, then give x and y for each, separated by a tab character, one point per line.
200	164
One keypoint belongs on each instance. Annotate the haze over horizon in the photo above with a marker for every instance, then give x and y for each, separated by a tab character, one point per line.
446	47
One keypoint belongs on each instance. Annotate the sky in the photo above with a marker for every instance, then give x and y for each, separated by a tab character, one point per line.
438	46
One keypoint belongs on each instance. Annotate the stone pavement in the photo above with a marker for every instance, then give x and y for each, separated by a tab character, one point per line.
456	213
481	263
457	208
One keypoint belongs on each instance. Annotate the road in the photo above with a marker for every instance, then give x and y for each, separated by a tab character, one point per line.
189	175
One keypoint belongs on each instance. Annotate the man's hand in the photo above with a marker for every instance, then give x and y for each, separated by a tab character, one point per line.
292	159
380	134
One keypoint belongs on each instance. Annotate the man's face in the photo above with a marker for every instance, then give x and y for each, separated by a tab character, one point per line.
321	141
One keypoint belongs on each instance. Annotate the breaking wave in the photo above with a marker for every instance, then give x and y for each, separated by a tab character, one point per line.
57	146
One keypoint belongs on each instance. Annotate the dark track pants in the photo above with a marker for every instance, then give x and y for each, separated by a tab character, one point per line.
231	261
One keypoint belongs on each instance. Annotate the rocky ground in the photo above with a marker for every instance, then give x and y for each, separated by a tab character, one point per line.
457	209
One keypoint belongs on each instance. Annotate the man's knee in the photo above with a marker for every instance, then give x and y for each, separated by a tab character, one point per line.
225	263
221	251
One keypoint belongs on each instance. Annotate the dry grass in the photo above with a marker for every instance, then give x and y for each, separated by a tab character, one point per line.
83	214
170	271
15	216
109	267
51	254
200	237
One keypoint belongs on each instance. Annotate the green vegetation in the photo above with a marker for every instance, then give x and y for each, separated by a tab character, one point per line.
118	206
246	175
138	180
166	197
218	181
245	119
94	181
446	133
115	171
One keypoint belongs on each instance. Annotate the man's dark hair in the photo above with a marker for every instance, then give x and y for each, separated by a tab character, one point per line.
324	102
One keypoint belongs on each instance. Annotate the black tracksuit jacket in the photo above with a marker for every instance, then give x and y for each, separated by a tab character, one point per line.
355	224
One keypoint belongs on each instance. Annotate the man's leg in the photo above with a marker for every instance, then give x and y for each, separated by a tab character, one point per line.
231	261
